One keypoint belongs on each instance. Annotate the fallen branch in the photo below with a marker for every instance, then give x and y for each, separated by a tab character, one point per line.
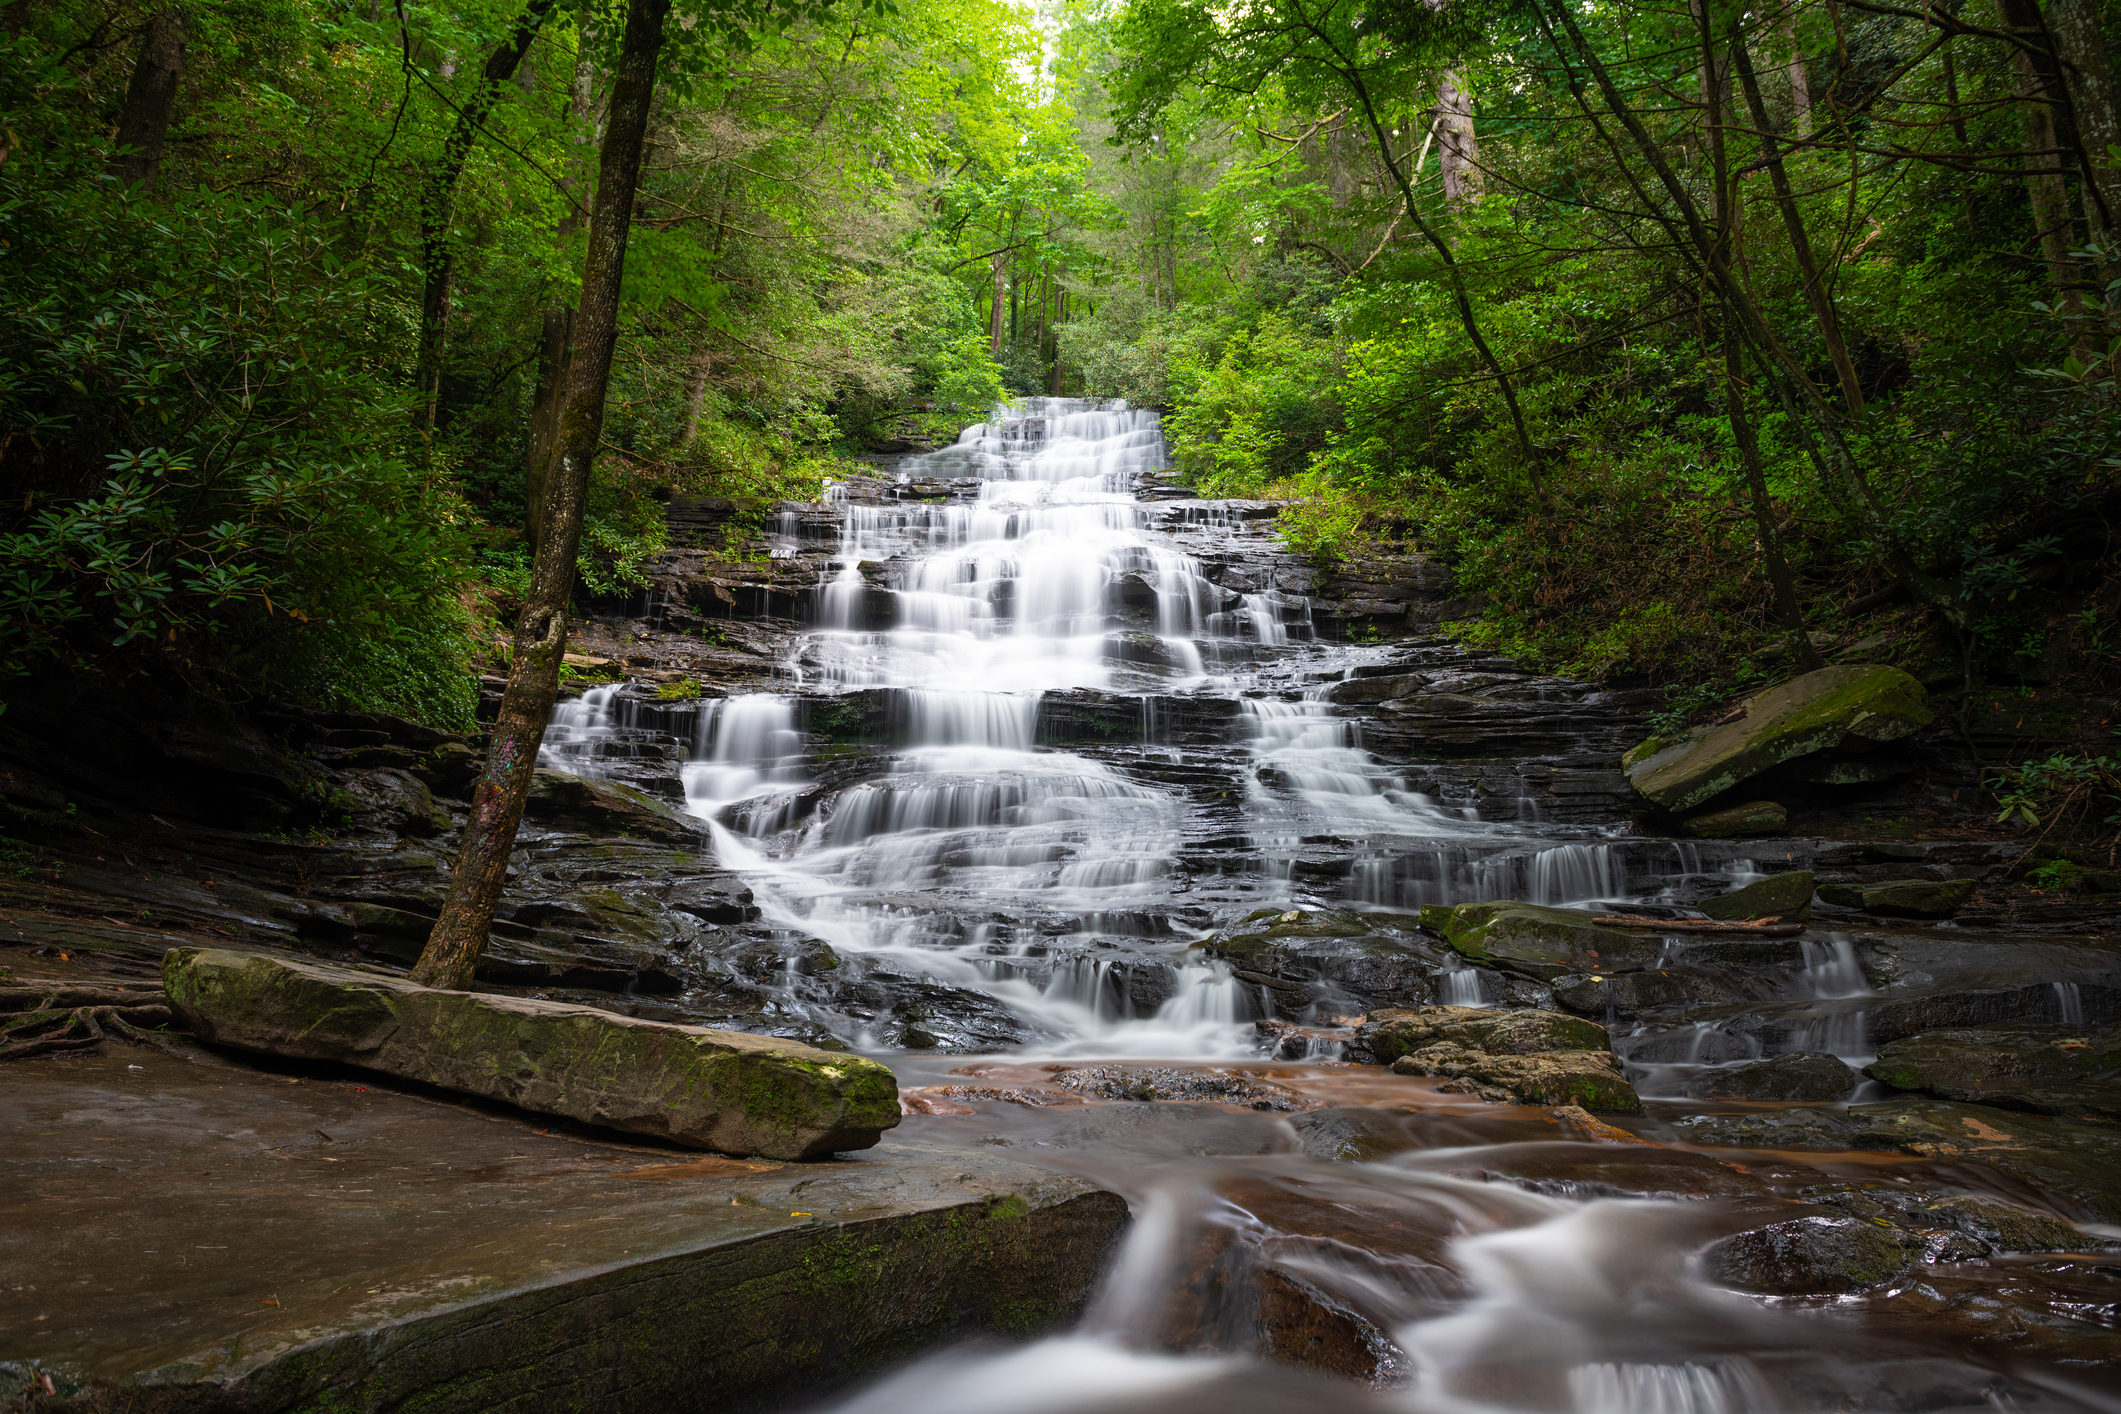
1763	927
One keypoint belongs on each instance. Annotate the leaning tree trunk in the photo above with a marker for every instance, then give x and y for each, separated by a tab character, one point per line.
555	338
541	633
438	202
151	100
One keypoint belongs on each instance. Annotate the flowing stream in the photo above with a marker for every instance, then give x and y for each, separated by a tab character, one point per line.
1425	1250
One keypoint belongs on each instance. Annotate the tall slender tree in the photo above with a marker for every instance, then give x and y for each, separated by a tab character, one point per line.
503	790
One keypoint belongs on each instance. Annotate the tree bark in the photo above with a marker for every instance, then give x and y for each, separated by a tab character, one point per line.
556	337
1457	149
2090	76
438	202
553	343
541	632
998	312
1816	293
697	372
151	100
1800	85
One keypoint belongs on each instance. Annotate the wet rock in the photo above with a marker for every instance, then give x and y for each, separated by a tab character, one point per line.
2092	1005
1331	961
1301	1325
1754	818
706	1089
1583	1171
1524	1057
606	807
1681	988
1816	1255
2055	1069
1591	1079
1540	941
1799	1077
1160	1083
1787	896
1389	1035
451	768
2002	1227
1776	1129
1830	708
2080	1163
1903	898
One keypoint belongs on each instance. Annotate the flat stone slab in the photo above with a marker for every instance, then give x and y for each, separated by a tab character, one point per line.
203	1238
707	1089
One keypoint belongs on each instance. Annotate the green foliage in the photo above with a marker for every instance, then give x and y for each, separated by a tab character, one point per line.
209	468
2066	793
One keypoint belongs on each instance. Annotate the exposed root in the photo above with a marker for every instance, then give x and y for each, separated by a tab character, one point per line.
50	1030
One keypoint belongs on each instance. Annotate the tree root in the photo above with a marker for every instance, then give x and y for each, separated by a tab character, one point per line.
77	995
50	1031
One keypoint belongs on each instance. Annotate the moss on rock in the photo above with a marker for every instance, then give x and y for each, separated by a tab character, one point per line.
1833	707
721	1090
1539	941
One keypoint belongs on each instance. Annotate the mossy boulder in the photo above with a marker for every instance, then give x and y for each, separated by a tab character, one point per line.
1787	896
2051	1069
1833	708
1539	941
1521	1057
1903	898
721	1090
1388	1035
1737	822
1817	1255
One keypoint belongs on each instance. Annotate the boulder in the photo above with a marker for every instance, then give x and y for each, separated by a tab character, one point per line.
1627	994
1787	896
722	1090
1540	941
1800	1077
606	807
1521	1057
1815	1255
1388	1035
1755	817
1902	898
1832	708
2054	1069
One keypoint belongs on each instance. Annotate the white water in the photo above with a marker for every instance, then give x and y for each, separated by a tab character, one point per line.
973	857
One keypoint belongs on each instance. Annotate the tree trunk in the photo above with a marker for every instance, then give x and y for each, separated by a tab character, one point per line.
697	372
438	201
541	633
2049	135
1800	86
1457	150
2092	98
151	100
998	312
557	336
1815	290
553	342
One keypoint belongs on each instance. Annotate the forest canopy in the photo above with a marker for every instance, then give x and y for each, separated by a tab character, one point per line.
1688	333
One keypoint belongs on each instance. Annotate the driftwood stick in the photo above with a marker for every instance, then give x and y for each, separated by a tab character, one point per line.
1762	927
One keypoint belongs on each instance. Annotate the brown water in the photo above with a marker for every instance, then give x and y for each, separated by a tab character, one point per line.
1397	1247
